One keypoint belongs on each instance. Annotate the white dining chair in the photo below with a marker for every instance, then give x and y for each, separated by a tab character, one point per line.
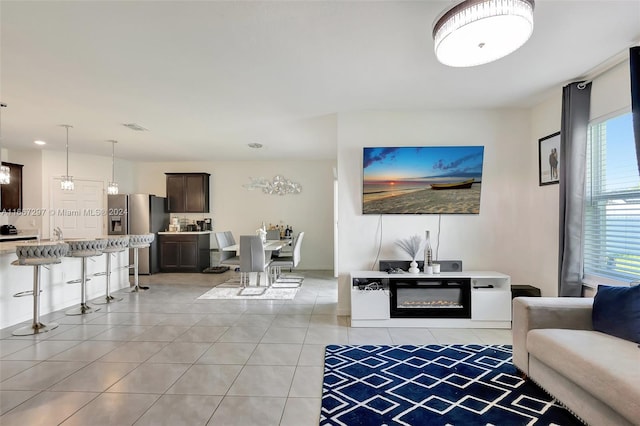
290	262
252	259
229	259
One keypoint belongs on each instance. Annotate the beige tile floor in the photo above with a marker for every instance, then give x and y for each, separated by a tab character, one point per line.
163	357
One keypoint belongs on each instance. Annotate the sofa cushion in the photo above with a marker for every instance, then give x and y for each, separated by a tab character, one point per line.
603	365
616	311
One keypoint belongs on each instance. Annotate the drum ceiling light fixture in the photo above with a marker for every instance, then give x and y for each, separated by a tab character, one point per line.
476	32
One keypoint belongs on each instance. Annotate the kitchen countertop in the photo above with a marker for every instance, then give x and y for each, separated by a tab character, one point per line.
24	233
8	247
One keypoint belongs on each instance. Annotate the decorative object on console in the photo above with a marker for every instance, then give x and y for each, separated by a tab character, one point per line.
66	184
400	180
112	188
476	32
412	246
427	253
5	171
278	186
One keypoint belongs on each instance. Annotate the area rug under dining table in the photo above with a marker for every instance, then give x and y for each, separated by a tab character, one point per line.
271	293
432	385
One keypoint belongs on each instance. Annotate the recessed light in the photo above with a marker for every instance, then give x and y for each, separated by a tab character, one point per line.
40	142
255	145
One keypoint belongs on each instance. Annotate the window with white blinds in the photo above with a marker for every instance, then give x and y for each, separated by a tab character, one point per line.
612	202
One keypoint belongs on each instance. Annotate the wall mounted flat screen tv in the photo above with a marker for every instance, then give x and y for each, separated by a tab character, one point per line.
422	180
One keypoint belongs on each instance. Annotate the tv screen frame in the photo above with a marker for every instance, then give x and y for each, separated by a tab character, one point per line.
422	179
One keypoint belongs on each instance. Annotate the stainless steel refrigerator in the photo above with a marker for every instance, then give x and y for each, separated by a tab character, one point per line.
134	214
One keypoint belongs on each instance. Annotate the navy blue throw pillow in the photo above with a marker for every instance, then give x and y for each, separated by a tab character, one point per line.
616	311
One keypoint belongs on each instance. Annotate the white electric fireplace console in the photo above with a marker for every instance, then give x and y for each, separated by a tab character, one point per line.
473	299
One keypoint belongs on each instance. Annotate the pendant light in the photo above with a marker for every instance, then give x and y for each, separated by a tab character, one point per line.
476	32
67	181
5	171
112	188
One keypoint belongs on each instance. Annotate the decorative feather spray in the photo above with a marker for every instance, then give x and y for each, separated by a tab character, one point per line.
412	245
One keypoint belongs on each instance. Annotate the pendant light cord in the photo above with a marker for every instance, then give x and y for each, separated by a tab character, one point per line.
66	126
2	105
67	148
113	159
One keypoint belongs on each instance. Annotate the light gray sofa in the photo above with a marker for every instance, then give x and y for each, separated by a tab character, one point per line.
595	375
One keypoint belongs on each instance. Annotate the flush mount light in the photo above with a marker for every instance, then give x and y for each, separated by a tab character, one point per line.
255	145
476	32
66	184
40	142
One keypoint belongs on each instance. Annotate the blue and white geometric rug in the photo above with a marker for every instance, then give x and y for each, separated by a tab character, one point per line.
431	385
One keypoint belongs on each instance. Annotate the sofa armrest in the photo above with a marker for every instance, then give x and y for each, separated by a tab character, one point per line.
530	313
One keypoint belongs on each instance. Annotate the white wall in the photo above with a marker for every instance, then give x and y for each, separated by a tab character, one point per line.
499	238
83	167
611	92
232	207
543	205
516	231
242	211
43	168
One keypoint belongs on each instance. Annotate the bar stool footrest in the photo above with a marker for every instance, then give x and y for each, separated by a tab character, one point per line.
78	281
24	293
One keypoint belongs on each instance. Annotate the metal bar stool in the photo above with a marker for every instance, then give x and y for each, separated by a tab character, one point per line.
137	242
115	244
84	249
37	255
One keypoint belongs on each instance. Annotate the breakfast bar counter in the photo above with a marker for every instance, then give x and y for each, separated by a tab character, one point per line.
56	293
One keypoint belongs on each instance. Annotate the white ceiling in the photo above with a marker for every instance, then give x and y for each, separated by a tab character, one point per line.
208	77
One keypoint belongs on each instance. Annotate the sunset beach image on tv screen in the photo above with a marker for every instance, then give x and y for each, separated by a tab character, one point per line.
422	180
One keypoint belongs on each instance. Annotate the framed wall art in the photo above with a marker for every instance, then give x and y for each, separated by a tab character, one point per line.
422	179
549	159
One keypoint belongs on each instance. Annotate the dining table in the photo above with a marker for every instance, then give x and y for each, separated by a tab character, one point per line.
269	246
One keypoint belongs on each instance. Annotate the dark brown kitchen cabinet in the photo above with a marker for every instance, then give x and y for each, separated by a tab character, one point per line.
188	192
11	193
184	252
